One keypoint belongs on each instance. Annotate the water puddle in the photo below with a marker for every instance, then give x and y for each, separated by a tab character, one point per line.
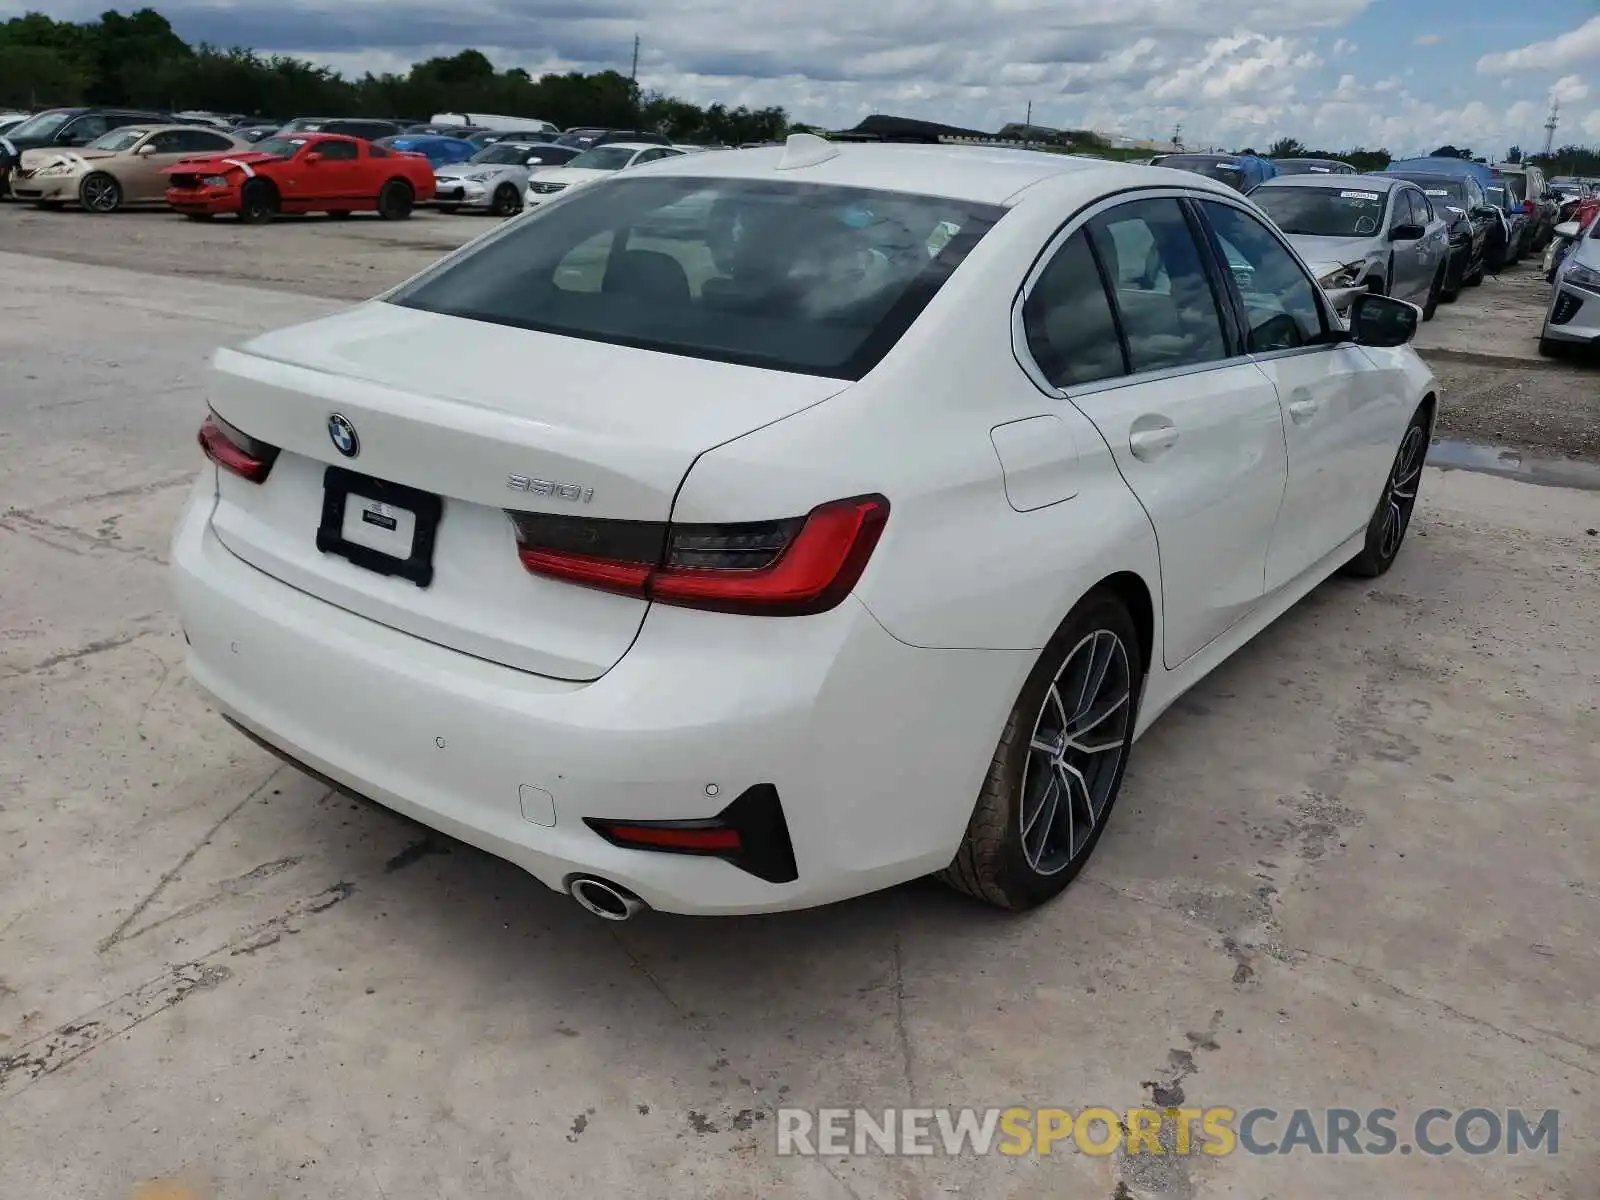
1451	455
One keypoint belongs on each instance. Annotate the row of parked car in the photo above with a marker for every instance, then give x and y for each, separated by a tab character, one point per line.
201	165
1421	230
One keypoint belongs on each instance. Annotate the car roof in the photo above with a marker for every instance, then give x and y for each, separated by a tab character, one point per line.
1369	183
628	146
974	173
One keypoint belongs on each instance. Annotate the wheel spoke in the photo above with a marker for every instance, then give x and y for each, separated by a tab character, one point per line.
1095	676
1037	830
1049	748
1071	775
1096	717
1065	773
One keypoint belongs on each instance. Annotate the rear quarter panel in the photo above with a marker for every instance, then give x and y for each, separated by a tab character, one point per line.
957	567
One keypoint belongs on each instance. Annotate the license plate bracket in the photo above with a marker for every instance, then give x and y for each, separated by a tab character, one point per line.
342	487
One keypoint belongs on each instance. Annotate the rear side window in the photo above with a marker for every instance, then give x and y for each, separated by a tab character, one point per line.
1169	312
1067	319
795	277
335	151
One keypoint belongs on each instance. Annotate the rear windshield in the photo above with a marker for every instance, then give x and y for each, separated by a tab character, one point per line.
1229	172
1450	191
1322	211
795	277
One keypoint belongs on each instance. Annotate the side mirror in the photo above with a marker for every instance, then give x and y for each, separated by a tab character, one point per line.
1568	229
145	150
313	159
1406	233
1382	320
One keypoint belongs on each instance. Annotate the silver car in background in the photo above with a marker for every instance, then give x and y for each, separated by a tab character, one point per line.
1573	319
1362	233
496	177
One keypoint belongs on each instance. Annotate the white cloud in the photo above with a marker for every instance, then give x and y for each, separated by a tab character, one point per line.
1427	39
1343	47
1569	89
1570	49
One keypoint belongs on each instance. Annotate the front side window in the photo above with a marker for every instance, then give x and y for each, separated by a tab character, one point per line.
337	151
197	141
282	147
1322	211
85	129
1169	312
797	277
1280	299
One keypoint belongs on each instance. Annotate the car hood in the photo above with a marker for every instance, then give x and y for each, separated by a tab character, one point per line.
216	163
569	175
1332	251
37	160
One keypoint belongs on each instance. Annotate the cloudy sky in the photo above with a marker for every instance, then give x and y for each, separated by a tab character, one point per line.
1405	74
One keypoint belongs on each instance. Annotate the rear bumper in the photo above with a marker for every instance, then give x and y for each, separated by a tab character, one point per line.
876	750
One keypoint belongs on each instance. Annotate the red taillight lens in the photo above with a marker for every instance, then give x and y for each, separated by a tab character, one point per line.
769	568
236	451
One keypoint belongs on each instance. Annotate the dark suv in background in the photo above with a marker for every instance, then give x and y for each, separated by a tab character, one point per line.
66	127
358	127
588	139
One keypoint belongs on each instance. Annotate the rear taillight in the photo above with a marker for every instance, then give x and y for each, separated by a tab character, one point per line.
236	451
769	568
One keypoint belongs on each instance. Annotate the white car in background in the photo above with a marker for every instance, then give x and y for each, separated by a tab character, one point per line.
496	178
852	537
595	163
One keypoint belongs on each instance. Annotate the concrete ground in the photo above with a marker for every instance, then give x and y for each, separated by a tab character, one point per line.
1355	867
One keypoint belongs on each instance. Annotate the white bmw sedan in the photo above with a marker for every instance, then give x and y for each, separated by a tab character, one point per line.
851	533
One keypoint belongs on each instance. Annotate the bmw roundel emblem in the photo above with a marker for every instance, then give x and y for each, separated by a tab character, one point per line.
343	435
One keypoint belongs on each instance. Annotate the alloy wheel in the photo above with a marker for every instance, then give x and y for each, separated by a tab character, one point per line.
101	194
1074	752
1401	495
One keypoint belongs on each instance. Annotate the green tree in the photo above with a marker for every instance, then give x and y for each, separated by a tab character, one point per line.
1287	147
1514	155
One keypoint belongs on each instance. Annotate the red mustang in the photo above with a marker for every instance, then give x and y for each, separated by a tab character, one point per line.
302	172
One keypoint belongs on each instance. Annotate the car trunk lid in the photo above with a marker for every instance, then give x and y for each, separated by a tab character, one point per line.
486	418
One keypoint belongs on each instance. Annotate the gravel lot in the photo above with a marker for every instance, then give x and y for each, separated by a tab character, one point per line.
1356	866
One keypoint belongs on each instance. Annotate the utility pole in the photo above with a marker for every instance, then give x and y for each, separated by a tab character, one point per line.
1027	127
633	80
1177	136
1550	125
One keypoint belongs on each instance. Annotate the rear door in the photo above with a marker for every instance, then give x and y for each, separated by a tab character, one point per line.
1194	425
1338	423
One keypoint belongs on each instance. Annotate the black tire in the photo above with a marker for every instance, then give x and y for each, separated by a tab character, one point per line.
995	862
395	200
99	193
1430	306
258	202
449	209
1551	348
507	201
1386	531
1474	275
1452	291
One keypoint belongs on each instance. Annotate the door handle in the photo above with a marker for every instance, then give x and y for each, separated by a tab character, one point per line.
1301	411
1148	442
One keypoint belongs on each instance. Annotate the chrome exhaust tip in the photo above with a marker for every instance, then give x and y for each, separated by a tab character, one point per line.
608	901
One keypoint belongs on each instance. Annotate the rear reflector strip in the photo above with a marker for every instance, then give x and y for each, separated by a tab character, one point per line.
769	568
750	833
